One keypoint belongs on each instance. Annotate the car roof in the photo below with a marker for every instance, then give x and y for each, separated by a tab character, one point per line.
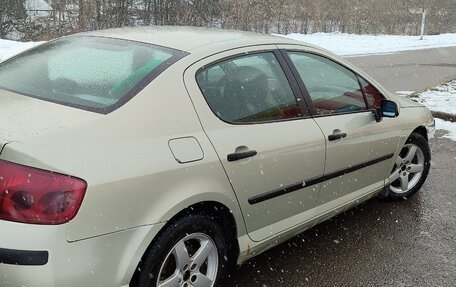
189	39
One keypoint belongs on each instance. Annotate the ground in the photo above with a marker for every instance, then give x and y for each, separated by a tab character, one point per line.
403	243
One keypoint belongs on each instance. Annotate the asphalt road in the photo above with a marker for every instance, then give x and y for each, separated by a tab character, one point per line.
404	243
410	70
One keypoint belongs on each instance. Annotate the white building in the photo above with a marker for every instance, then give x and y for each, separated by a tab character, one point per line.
38	8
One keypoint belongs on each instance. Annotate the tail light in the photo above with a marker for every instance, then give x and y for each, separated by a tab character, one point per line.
37	196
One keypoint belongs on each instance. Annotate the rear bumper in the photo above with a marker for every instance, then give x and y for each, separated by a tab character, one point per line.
40	256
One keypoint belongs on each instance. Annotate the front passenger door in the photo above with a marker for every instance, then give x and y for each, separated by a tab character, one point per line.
359	150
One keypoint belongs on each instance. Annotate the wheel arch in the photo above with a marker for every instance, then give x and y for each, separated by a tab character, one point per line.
213	209
422	131
412	123
415	133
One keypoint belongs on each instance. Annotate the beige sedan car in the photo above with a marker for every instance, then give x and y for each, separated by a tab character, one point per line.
161	156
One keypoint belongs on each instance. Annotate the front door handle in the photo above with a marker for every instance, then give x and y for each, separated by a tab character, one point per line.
240	155
337	136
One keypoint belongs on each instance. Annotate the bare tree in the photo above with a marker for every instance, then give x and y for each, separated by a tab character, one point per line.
267	16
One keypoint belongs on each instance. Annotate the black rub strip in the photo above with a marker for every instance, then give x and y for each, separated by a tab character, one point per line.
315	180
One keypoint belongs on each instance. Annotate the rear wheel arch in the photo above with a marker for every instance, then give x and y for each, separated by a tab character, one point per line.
216	211
219	213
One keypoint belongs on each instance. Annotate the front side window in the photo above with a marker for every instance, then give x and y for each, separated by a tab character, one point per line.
86	72
373	97
248	89
332	87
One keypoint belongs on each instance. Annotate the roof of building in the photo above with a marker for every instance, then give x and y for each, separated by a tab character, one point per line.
40	5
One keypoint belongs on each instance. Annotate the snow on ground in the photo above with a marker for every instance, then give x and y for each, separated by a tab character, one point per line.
441	99
351	45
449	127
343	44
10	48
405	93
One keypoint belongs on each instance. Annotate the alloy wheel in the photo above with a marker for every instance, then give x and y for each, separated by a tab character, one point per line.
408	169
192	262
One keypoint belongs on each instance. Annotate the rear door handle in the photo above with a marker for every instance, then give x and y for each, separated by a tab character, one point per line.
240	155
337	136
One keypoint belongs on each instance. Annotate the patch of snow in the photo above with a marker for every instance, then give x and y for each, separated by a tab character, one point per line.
11	48
405	93
355	45
440	99
450	127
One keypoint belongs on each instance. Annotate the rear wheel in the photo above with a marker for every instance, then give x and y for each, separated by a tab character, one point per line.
411	168
190	252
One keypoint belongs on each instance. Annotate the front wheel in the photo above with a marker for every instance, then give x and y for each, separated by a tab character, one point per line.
190	252
411	168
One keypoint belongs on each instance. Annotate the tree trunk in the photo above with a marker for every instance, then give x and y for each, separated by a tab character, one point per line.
81	14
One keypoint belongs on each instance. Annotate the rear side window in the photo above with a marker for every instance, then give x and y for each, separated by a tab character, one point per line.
249	89
92	73
332	87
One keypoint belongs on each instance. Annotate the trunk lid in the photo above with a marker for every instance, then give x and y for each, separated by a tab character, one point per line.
22	116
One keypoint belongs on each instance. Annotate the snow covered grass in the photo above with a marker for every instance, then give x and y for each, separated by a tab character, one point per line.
339	43
441	99
351	45
10	48
405	93
449	127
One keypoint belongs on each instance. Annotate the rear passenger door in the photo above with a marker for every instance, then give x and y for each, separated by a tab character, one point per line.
265	139
359	150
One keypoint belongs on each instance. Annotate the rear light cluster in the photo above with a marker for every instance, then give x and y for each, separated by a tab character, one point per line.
37	196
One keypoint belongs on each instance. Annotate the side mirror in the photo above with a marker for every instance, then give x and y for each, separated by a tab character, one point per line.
389	109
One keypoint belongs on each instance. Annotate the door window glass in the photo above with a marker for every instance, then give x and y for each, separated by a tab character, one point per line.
373	97
332	87
248	89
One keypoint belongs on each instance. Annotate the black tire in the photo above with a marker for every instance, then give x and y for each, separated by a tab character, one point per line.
149	269
419	141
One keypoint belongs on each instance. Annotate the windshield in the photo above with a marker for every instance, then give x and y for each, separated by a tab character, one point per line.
91	73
